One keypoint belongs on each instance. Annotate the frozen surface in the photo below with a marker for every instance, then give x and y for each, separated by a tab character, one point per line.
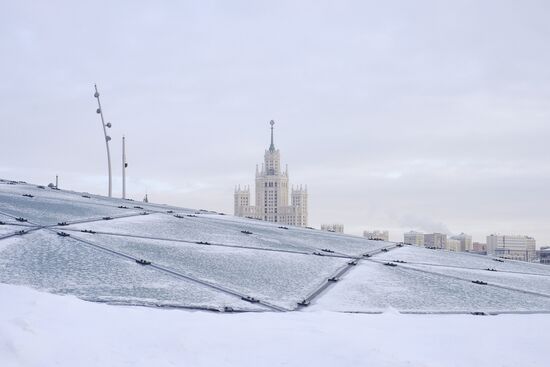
38	329
420	255
46	211
373	286
46	261
193	229
298	236
279	278
83	198
229	232
7	229
5	218
528	282
273	264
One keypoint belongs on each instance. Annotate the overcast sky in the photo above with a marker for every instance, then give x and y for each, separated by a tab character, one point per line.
399	115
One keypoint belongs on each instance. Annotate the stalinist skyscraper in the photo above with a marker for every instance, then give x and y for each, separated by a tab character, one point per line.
272	193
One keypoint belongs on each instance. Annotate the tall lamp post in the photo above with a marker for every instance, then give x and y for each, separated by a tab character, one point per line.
124	166
107	139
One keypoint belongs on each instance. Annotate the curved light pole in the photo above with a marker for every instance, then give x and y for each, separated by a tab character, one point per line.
107	139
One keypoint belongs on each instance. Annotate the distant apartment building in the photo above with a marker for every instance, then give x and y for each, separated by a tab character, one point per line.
377	235
512	247
544	255
479	248
338	228
465	241
435	240
453	245
414	238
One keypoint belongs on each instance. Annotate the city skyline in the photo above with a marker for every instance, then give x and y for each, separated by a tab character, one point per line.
394	124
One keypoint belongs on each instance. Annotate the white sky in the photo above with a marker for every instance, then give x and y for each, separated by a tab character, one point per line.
426	115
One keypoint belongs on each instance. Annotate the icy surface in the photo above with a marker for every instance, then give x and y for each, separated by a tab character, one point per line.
46	261
8	229
6	219
280	278
373	286
83	198
192	229
522	281
221	258
420	255
46	211
230	232
49	206
308	238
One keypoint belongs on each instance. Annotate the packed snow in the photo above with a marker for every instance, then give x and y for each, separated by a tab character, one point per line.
40	329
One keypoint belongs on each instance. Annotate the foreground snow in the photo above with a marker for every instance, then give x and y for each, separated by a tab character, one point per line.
40	329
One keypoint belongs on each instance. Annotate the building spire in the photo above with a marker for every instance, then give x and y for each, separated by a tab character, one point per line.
272	146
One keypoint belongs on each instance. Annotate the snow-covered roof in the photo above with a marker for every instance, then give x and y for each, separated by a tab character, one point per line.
127	252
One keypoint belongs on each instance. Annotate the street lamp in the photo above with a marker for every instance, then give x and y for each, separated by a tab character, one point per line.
124	166
107	139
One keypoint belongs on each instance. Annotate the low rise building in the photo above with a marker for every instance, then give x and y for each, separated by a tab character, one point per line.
512	247
479	248
377	235
435	240
414	238
544	255
465	241
338	228
453	245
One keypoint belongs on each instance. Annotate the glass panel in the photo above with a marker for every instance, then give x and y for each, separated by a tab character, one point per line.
277	277
56	264
372	287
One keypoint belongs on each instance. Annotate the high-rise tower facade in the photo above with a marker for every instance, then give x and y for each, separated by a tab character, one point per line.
272	192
